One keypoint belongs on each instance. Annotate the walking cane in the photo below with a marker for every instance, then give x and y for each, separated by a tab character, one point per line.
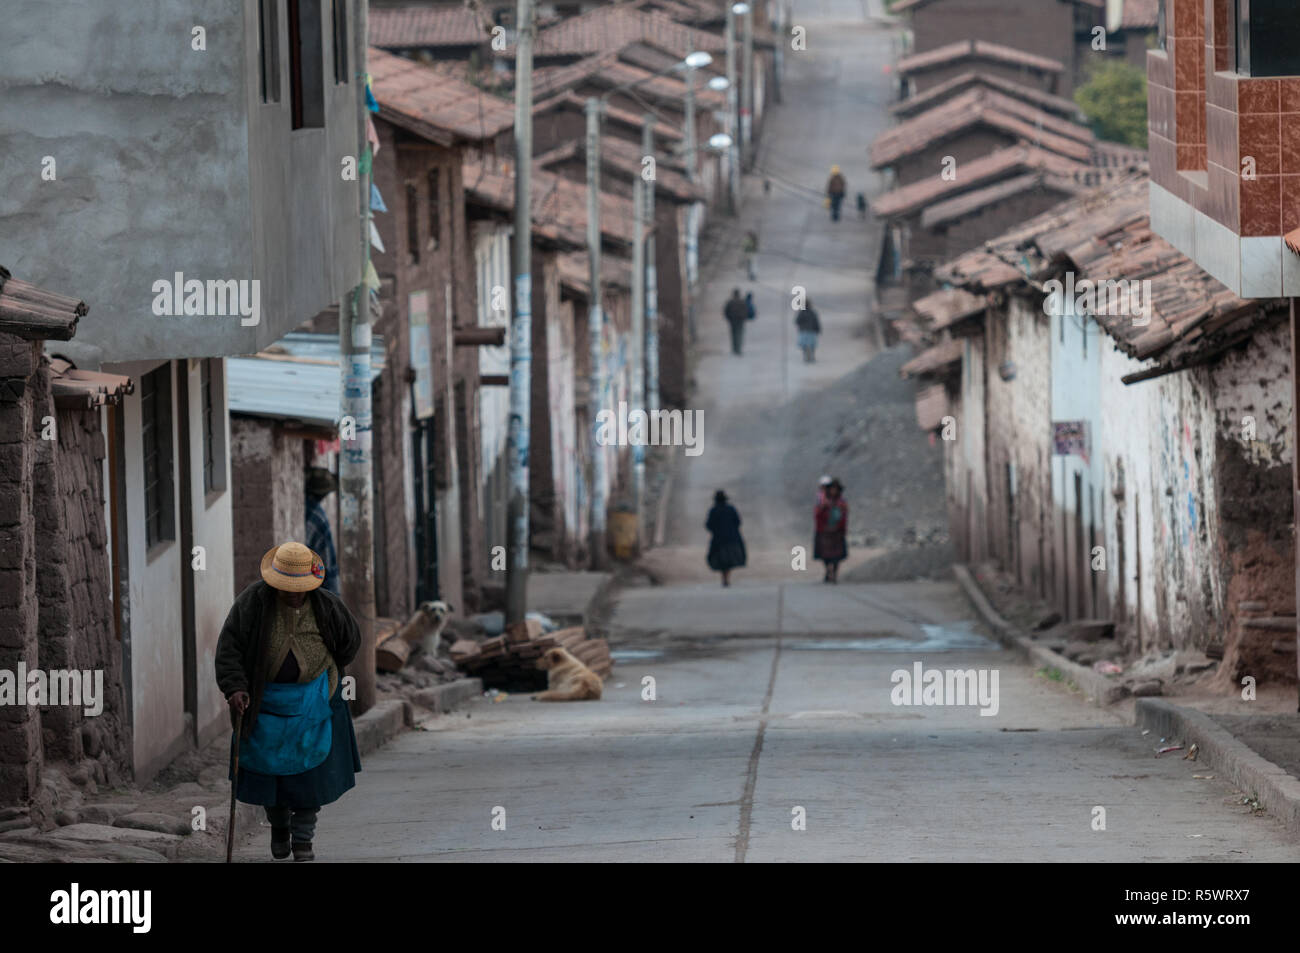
234	786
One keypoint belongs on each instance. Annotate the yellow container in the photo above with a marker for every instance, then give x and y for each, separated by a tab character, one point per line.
624	534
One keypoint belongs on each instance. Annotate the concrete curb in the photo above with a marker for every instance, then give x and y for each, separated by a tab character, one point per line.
381	723
1099	689
447	697
1233	760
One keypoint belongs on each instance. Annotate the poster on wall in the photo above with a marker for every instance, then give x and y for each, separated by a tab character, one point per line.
1070	438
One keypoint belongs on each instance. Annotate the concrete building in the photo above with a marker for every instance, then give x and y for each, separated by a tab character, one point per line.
215	141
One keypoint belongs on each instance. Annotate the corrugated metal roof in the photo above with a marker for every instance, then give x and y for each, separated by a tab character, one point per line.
296	378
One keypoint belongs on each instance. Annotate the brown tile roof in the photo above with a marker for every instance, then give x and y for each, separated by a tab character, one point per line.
934	360
398	27
1139	14
941	213
575	271
609	70
983	107
946	307
626	157
1058	105
1105	236
571	100
613	26
434	103
911	199
559	205
976	50
35	314
85	390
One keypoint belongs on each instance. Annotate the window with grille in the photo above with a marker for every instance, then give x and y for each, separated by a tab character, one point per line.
159	462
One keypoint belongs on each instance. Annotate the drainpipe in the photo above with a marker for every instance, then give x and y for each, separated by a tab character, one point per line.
651	279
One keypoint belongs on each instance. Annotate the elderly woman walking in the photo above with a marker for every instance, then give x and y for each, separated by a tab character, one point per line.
279	662
726	548
831	523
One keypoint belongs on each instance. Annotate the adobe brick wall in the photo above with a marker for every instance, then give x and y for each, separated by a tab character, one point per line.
21	753
55	607
449	265
266	472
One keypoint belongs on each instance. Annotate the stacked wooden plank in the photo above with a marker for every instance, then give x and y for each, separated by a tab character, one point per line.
511	659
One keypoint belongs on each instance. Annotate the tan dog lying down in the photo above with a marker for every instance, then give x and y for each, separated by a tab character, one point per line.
567	679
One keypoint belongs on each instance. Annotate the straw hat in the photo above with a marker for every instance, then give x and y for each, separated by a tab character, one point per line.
292	567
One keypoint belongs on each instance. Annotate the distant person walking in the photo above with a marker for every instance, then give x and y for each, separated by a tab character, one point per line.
750	311
831	523
748	251
836	188
736	314
862	206
727	547
809	328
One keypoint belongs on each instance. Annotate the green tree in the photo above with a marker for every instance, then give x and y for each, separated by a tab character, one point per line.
1115	101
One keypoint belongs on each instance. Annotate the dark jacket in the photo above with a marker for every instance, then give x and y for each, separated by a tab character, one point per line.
735	310
241	646
806	320
836	185
727	547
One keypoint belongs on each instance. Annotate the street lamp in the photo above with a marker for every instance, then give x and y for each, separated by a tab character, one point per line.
719	83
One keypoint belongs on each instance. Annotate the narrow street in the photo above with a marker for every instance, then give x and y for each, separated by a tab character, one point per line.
772	699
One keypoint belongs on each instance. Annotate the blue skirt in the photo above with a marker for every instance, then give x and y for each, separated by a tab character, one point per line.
323	784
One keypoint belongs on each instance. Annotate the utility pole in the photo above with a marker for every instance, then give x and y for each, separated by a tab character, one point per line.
693	210
521	329
651	277
595	320
356	494
636	353
733	151
747	90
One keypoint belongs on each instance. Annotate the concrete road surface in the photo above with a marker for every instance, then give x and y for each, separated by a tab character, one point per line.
772	732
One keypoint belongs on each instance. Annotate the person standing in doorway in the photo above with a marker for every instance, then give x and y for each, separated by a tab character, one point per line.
809	328
736	314
320	538
279	662
726	547
831	523
836	188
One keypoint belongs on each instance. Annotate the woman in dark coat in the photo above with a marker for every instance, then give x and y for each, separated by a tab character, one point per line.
831	519
279	662
726	548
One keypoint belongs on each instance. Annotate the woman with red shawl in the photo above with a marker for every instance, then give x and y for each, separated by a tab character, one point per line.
831	516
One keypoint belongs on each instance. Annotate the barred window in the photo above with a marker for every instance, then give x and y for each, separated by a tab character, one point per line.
159	459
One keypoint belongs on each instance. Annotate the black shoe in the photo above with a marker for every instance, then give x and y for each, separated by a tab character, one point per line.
279	842
302	851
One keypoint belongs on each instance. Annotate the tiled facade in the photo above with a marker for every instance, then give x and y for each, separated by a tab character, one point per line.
1225	154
